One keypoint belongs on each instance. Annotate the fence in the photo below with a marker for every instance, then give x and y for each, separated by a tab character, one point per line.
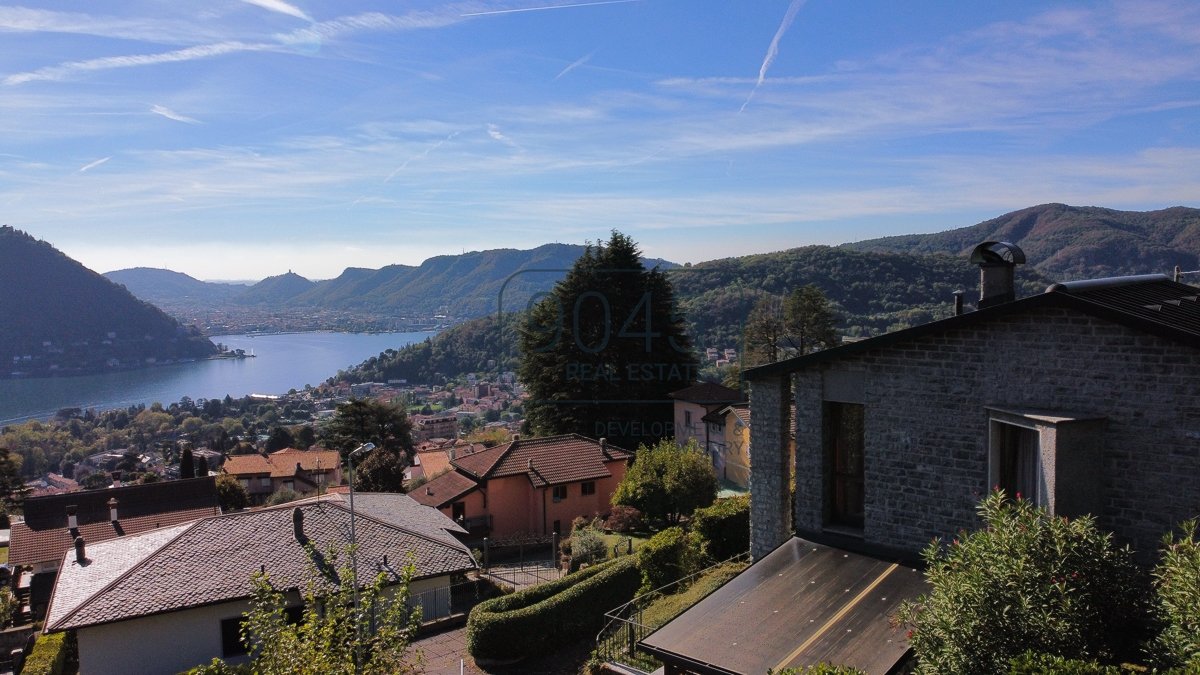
626	625
447	601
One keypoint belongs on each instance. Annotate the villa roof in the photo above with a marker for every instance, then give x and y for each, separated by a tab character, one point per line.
707	393
214	559
44	535
282	463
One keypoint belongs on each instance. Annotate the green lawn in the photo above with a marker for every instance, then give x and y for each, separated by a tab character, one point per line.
3	555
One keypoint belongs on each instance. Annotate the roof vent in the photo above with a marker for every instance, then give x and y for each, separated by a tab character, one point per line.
996	260
428	491
116	476
112	509
529	464
72	519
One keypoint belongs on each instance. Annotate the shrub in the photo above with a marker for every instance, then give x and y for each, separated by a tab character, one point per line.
587	546
48	655
1028	581
1177	582
818	669
1031	663
543	618
724	527
624	519
668	556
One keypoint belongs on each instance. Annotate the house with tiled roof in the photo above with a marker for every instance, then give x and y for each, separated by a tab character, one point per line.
528	486
304	471
169	599
692	403
729	444
1083	399
51	523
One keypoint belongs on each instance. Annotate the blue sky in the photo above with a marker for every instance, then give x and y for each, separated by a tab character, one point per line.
236	139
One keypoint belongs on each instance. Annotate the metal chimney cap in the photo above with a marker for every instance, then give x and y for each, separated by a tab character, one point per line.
997	253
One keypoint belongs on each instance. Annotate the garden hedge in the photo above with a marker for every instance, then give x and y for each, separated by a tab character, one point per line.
724	526
48	655
543	618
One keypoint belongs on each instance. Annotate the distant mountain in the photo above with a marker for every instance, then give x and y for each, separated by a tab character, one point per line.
58	317
277	290
1072	242
164	287
874	292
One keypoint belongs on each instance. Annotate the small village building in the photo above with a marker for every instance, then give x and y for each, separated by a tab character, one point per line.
692	404
529	486
169	599
728	433
306	472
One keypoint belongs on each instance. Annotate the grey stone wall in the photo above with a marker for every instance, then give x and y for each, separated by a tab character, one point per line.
926	418
770	499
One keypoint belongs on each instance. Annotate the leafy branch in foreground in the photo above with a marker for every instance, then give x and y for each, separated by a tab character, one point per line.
330	635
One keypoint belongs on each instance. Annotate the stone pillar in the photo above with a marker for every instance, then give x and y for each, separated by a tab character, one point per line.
770	470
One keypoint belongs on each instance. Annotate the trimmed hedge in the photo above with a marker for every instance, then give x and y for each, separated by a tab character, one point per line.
543	618
724	526
668	556
48	655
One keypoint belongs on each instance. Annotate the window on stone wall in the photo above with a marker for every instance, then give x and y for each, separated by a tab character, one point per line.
843	427
1015	462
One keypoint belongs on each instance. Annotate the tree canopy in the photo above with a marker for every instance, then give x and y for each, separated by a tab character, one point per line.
602	350
667	482
798	324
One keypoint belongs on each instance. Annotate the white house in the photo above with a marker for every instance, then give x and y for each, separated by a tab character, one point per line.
169	599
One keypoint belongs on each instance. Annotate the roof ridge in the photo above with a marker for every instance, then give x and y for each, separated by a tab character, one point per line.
120	577
401	528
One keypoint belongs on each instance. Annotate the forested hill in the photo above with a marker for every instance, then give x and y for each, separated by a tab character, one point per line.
1072	242
60	317
874	292
164	287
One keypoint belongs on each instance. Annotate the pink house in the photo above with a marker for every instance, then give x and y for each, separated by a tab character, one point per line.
528	486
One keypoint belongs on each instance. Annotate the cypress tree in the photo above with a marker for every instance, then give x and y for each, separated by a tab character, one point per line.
187	464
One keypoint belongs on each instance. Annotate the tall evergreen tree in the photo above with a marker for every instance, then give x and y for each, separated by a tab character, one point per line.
600	352
809	320
187	464
364	420
279	439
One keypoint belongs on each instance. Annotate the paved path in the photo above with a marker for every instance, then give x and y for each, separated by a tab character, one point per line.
442	652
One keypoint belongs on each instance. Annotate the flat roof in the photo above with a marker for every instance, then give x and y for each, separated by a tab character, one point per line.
802	604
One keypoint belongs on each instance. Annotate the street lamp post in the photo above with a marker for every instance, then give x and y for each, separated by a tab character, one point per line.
362	449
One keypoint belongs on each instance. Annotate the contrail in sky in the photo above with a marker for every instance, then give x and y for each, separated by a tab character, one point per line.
575	65
773	50
94	164
538	9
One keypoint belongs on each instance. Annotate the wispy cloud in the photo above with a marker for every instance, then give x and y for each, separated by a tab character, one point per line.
66	70
91	165
280	7
546	7
172	115
421	155
575	65
773	49
494	132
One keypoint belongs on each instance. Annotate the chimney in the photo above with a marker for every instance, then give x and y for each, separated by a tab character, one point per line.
997	261
298	525
112	509
72	519
604	446
529	464
516	437
958	302
116	476
451	453
428	491
80	551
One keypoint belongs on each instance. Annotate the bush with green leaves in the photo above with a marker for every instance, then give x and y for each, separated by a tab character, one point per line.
542	618
818	669
586	547
1026	581
724	527
1177	586
48	655
667	557
667	482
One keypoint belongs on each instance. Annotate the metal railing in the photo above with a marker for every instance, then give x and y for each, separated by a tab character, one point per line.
625	626
441	603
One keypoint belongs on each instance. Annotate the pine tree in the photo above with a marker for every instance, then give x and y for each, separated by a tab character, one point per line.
809	320
600	352
187	464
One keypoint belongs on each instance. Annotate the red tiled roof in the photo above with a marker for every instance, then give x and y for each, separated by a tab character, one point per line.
554	460
707	393
444	489
282	463
28	546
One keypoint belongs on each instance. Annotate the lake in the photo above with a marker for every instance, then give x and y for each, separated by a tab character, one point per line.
282	362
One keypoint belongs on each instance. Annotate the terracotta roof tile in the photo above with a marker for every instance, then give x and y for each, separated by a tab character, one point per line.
28	546
282	463
213	560
444	489
558	459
